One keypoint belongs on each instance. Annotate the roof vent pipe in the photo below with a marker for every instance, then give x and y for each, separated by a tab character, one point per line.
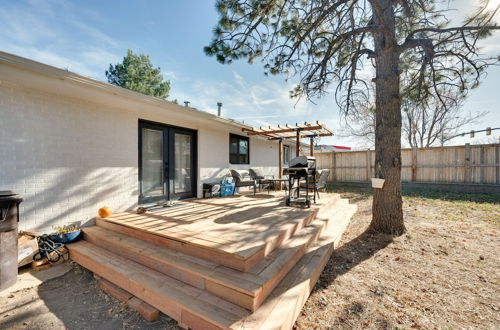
186	103
219	106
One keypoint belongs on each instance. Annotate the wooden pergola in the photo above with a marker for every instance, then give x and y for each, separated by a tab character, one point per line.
297	131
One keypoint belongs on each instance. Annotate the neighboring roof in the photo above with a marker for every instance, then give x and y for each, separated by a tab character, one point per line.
331	147
44	69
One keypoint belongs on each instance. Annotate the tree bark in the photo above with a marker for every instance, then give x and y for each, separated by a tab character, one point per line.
387	205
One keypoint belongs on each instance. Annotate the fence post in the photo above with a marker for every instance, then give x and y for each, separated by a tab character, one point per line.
482	169
468	169
497	164
368	165
414	164
334	167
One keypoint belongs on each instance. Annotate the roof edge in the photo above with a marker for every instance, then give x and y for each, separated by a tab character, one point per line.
41	68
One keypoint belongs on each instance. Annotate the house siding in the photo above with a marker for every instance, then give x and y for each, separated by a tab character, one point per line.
68	156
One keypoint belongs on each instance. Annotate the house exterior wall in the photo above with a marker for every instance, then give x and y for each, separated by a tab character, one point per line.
68	156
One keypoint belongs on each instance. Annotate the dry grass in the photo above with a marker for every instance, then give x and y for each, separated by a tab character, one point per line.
443	274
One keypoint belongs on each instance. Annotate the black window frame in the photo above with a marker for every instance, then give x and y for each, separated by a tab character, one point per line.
169	158
286	154
239	138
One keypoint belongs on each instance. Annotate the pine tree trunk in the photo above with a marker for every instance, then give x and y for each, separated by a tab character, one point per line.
387	206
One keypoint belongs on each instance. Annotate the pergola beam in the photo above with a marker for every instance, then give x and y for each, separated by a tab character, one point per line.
302	136
306	130
282	130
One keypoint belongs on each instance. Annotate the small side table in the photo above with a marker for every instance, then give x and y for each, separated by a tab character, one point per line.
212	188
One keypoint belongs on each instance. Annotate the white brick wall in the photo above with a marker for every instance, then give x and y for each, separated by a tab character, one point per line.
66	164
68	157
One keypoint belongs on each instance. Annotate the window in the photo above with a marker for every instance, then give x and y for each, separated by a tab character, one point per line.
239	149
286	154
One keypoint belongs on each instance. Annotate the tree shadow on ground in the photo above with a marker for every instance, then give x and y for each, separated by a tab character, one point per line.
350	255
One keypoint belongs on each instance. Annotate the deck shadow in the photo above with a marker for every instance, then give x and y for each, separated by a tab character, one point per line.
258	214
259	196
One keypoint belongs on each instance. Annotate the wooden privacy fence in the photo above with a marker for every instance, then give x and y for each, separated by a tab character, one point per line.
457	164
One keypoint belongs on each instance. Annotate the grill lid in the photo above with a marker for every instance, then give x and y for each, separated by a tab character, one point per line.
303	161
8	195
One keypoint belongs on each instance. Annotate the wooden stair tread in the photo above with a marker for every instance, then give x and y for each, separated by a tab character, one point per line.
283	306
236	244
261	238
198	309
169	295
158	253
245	289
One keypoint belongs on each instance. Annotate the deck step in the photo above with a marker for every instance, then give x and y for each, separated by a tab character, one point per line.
217	249
199	309
283	306
182	302
246	289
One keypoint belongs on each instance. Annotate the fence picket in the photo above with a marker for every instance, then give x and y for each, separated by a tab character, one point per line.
481	164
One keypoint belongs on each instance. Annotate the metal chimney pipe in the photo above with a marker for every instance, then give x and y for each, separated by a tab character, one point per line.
219	106
186	103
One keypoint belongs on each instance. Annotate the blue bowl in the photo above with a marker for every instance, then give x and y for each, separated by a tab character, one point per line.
66	238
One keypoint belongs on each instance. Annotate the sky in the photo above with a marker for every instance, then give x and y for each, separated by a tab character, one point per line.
86	36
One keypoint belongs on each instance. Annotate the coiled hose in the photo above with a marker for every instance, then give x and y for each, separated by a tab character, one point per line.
45	248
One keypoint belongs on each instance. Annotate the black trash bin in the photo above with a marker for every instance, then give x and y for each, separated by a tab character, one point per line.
9	218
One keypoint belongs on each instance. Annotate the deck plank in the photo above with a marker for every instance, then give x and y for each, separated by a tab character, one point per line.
285	276
246	289
283	306
170	296
239	230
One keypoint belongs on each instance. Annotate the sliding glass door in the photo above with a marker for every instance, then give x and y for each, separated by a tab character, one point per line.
167	162
153	164
183	172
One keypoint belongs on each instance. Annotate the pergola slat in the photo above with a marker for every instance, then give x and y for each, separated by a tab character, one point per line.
302	136
306	130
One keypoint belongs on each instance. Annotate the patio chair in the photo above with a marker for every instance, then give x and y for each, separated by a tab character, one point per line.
257	175
319	183
243	179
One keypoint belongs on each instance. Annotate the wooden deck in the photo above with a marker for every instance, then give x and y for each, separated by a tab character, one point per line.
238	230
241	262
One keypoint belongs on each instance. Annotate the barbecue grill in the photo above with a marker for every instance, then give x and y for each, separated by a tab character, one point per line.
300	168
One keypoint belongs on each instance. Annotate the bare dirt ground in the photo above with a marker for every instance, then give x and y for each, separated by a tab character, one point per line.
443	274
72	301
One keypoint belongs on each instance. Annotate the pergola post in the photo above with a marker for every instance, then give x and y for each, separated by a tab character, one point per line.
297	144
311	146
280	162
280	158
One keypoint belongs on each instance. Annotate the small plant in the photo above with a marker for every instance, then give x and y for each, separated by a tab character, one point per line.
65	229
